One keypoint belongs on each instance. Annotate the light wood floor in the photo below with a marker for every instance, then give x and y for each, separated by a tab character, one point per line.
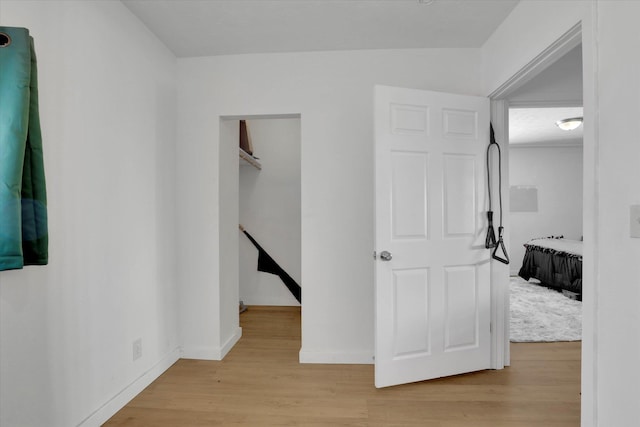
261	383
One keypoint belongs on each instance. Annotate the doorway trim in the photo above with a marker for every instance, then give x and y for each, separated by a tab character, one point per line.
229	280
500	295
569	40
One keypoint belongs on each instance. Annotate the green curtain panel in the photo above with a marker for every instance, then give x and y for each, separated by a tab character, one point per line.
23	200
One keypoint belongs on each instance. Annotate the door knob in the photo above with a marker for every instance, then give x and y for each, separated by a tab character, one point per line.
385	256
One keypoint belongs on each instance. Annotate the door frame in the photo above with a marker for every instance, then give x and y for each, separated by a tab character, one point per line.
500	291
228	181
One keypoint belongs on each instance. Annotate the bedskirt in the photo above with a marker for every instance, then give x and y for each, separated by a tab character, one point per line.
554	268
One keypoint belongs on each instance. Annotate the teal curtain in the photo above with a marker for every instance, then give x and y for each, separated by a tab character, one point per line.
23	201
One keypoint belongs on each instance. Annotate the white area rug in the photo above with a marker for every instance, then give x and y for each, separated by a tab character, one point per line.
539	314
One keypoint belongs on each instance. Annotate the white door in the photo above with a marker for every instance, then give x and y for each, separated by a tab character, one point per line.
432	296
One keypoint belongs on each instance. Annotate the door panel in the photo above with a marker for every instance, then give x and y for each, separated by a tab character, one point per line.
460	123
432	296
461	304
409	202
459	195
411	312
409	119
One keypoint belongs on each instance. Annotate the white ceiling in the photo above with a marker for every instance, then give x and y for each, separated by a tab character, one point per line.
537	126
220	27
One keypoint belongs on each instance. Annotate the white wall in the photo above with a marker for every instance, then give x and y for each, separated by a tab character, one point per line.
332	91
618	130
611	344
559	84
557	174
510	48
270	210
107	105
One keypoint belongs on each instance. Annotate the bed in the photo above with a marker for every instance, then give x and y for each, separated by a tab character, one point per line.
556	262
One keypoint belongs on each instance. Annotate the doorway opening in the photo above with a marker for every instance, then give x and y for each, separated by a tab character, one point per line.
546	209
546	203
546	233
261	189
269	209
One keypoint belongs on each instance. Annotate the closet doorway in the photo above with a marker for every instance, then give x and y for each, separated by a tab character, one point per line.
269	209
262	193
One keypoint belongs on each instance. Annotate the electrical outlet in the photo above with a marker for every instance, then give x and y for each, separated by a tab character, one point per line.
137	349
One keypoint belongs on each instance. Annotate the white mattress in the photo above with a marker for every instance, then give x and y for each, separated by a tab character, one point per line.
563	245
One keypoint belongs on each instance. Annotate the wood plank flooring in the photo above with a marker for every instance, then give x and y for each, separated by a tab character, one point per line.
261	383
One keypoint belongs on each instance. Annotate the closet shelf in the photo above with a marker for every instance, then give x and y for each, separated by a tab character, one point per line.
246	158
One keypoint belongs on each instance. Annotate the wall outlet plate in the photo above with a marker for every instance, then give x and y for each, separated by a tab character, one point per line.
634	221
137	349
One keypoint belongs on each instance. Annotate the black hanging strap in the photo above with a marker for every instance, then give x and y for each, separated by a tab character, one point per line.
505	257
491	242
269	265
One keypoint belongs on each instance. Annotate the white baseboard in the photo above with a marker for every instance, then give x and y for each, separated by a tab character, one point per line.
347	358
117	402
211	352
200	352
228	345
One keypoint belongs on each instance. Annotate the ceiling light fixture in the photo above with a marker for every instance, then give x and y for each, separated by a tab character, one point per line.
427	2
569	124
